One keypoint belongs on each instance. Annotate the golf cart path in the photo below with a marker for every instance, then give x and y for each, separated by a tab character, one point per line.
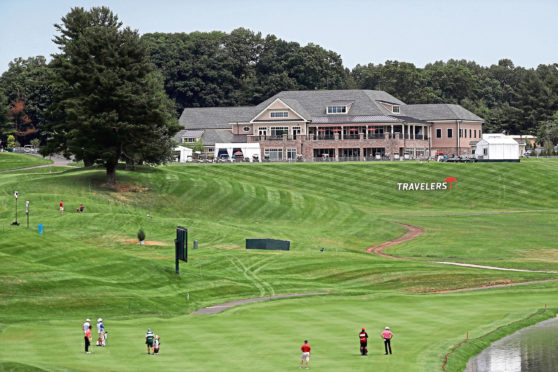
227	305
57	161
415	231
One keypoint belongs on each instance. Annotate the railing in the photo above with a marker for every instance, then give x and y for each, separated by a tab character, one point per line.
276	138
376	136
320	137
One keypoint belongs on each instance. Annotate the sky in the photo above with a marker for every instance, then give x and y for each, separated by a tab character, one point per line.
361	31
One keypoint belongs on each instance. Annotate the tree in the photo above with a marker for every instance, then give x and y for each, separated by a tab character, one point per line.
111	105
29	82
5	126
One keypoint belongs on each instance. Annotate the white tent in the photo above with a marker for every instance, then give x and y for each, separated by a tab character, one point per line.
183	154
249	151
497	146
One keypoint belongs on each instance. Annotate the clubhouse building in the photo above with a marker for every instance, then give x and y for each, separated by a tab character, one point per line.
332	124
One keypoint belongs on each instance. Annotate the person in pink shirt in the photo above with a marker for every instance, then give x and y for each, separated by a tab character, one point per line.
387	335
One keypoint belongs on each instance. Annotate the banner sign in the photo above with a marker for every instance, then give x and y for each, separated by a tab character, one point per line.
426	186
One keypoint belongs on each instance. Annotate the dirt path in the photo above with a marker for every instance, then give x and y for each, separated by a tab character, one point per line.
227	305
415	231
412	233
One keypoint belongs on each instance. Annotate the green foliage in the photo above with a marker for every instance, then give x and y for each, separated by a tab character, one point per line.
198	146
30	81
111	104
240	68
11	141
36	143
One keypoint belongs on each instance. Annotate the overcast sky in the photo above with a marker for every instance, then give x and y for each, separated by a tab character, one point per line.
361	32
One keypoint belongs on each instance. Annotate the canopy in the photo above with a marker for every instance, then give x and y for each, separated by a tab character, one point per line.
353	130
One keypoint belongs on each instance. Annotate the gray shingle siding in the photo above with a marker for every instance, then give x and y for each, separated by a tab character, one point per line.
439	111
312	105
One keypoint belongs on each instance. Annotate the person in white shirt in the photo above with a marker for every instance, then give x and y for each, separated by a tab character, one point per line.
100	332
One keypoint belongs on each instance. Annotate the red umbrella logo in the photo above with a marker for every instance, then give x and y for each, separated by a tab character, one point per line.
450	180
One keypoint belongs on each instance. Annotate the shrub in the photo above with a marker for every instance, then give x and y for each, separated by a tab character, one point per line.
141	235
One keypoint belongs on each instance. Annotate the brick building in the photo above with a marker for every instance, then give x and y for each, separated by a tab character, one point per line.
336	124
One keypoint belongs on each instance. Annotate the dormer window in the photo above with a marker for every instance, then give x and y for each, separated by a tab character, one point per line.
395	109
279	114
336	109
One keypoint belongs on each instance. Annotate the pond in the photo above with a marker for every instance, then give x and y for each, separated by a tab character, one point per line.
530	349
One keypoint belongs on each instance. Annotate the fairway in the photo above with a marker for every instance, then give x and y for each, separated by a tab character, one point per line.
91	265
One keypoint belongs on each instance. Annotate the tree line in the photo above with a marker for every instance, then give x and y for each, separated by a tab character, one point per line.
243	67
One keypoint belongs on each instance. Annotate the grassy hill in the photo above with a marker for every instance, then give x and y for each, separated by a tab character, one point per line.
89	265
9	160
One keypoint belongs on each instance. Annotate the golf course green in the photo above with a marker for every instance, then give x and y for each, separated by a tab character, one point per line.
90	265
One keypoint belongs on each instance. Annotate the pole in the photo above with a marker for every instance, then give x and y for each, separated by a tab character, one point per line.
177	269
16	194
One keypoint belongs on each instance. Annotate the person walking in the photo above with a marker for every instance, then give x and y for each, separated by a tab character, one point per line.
61	206
149	337
305	348
387	335
363	337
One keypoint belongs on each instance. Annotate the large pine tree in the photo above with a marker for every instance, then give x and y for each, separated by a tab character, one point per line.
111	104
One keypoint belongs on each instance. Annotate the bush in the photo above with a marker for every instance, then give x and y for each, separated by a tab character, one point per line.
141	235
11	141
35	143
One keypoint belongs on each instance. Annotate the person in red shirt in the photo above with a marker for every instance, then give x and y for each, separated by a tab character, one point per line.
305	354
387	335
87	338
61	206
363	337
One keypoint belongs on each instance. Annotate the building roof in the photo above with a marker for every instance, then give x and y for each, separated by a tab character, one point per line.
364	106
212	136
313	103
214	117
439	111
497	139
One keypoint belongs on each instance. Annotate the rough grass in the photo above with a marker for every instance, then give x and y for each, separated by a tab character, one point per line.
88	264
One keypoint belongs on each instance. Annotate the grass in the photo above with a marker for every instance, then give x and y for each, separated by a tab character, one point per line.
10	160
90	265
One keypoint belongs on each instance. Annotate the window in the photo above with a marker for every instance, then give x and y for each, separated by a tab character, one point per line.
439	133
210	149
262	131
246	129
279	131
274	154
470	130
395	109
475	133
291	153
465	133
450	133
460	133
279	114
188	139
485	151
336	109
296	132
